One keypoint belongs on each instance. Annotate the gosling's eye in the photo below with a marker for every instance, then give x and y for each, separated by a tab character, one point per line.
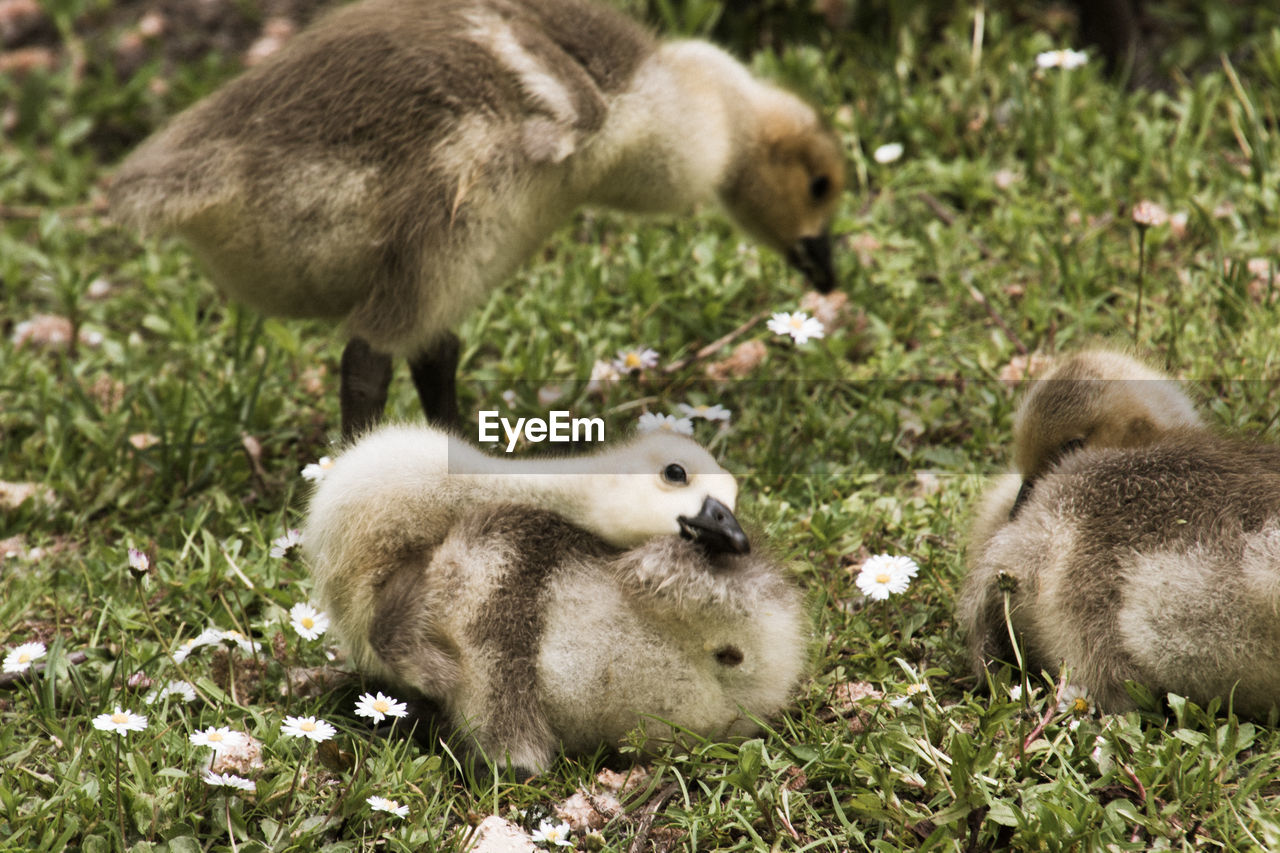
1070	446
675	475
819	187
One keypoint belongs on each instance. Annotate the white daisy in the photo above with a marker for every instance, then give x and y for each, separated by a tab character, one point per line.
1065	58
631	360
380	706
1075	700
172	688
207	637
602	374
139	562
912	691
715	412
884	575
120	722
382	804
231	635
308	727
282	545
650	422
552	833
799	325
315	471
228	780
309	622
888	153
217	739
20	658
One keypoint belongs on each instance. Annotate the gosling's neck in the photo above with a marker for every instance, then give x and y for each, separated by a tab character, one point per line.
675	134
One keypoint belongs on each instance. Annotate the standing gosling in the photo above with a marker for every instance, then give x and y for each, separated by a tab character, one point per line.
536	636
401	158
1157	563
392	498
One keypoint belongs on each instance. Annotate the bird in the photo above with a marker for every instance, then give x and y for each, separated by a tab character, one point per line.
393	496
1149	555
399	159
556	604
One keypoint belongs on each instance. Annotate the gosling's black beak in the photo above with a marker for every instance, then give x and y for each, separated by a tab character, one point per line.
715	529
812	257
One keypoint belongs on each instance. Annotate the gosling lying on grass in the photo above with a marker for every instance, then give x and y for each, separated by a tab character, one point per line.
1156	561
392	498
535	636
399	159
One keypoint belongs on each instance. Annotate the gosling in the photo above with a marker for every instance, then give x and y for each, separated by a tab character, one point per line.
392	498
1157	561
535	636
401	158
1095	398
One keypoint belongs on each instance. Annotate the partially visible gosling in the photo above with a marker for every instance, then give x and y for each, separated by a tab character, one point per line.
1095	398
394	496
1157	563
399	159
536	636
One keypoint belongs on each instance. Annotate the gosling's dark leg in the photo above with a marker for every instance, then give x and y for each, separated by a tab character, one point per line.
435	375
365	377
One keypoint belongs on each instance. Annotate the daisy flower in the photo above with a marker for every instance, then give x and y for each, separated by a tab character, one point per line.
231	635
888	153
602	374
631	360
315	471
1147	214
378	707
1074	700
1065	58
282	545
307	621
308	727
217	739
799	325
207	637
21	658
650	422
227	780
716	412
912	691
172	688
139	562
552	833
884	575
382	804
120	722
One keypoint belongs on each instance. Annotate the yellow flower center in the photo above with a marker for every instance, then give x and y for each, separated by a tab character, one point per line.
1080	705
307	622
215	737
119	718
326	463
632	360
307	726
381	706
24	657
883	578
797	322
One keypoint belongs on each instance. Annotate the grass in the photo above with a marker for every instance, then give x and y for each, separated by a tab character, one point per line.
181	424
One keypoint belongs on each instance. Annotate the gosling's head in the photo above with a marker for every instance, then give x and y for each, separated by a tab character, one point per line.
1096	399
784	189
659	484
